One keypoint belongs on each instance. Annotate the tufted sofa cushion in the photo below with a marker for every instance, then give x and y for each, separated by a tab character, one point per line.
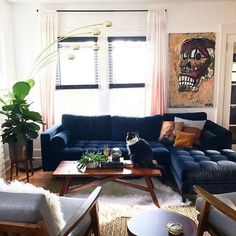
76	148
195	166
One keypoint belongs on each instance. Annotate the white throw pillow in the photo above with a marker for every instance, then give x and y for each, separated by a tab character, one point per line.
192	123
52	199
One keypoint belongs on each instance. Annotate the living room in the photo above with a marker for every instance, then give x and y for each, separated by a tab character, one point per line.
20	44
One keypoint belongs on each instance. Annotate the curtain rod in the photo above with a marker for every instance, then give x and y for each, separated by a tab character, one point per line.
133	10
102	10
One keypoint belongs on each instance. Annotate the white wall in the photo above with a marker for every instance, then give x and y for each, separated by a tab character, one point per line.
7	64
26	29
7	49
202	17
182	17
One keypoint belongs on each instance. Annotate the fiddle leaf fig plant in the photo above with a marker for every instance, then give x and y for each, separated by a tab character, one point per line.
21	123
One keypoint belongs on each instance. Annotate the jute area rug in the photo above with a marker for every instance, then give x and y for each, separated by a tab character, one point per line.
118	203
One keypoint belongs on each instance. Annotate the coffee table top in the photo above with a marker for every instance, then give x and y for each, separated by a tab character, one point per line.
154	222
69	168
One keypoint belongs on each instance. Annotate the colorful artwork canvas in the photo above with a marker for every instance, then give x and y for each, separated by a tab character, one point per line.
192	65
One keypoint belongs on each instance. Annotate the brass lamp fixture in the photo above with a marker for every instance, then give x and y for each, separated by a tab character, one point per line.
48	56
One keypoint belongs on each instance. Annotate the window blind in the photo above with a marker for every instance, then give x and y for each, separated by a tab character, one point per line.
125	54
85	59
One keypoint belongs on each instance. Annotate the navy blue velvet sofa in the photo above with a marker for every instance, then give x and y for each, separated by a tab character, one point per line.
77	134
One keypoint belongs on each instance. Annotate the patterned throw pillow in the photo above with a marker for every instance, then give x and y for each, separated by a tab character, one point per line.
184	140
168	131
193	126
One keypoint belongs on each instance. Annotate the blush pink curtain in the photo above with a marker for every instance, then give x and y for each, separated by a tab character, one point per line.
49	33
156	88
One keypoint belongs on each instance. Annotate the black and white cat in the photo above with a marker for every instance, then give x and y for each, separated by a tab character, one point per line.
140	151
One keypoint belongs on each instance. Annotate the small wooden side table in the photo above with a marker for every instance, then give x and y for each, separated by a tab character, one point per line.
28	165
154	223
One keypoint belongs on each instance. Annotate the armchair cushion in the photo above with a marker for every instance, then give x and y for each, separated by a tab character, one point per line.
68	209
21	211
50	209
221	223
27	208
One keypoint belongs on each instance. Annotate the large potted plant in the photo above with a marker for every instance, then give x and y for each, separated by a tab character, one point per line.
21	124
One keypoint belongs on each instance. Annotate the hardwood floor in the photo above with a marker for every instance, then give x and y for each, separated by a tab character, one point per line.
40	178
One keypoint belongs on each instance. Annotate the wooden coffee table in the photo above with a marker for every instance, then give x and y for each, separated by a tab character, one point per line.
68	170
154	222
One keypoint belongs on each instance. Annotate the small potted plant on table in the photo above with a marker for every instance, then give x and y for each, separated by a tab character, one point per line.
90	160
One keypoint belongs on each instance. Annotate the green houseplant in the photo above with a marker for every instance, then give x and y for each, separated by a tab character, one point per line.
21	124
90	160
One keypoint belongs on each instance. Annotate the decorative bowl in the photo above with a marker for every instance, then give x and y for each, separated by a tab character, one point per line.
175	228
116	154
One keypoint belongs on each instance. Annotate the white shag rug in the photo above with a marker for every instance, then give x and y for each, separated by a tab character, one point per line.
117	200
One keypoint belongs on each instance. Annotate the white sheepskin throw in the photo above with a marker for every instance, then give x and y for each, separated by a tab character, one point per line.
52	199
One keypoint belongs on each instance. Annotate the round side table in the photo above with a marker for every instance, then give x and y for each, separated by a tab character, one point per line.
154	223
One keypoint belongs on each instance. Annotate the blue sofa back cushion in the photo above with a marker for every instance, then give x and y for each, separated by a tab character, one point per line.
148	127
88	127
188	116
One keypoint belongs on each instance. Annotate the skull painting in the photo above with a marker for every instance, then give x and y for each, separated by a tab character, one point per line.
196	63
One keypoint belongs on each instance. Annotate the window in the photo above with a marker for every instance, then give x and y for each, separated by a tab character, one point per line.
127	75
82	71
80	84
77	79
127	61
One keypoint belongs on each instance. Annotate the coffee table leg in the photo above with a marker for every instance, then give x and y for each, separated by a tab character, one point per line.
151	191
65	186
151	183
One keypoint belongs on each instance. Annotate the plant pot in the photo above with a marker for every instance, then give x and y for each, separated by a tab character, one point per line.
92	165
20	151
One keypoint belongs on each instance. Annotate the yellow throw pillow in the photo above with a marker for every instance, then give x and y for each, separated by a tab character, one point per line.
184	140
195	131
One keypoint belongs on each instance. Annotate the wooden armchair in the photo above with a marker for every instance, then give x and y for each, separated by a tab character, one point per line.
217	213
27	214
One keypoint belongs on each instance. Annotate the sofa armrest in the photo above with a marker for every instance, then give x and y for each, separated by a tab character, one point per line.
224	136
53	130
46	149
60	140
